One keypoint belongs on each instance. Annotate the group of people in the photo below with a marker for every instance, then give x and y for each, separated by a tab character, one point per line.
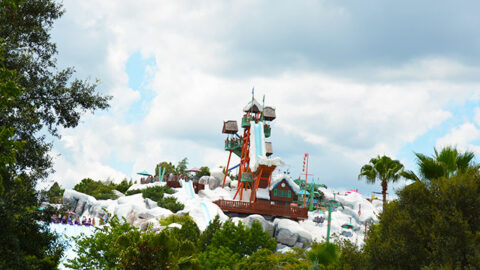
68	220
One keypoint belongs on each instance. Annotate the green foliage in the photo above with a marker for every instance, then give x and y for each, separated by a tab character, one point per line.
35	98
266	259
203	171
323	254
124	185
175	219
169	168
243	240
97	189
433	224
351	257
122	246
55	193
218	258
182	166
446	163
384	169
207	235
156	193
171	204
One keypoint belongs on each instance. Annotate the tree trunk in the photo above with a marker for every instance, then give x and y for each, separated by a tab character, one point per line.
384	192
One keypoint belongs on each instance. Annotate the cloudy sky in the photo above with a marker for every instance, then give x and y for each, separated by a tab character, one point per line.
349	79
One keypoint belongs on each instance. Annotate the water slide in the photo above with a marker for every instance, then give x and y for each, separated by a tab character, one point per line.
188	186
257	143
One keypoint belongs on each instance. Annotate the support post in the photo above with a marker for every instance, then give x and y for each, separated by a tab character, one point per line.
226	169
329	208
306	177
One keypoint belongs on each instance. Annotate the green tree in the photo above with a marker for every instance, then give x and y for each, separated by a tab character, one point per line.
122	246
97	189
43	99
123	186
446	163
182	166
203	171
384	169
55	193
435	224
266	259
168	166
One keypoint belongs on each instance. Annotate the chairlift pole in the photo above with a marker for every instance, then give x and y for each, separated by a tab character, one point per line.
329	208
306	177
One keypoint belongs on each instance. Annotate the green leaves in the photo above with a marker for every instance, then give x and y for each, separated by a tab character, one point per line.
434	223
384	169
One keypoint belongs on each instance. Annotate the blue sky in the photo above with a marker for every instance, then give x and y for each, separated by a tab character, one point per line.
349	80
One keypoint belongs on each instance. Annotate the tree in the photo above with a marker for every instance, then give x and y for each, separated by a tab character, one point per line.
168	166
435	224
384	169
446	163
55	193
203	171
36	96
122	246
182	166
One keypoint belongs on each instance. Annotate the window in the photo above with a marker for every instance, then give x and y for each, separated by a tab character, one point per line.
275	192
289	194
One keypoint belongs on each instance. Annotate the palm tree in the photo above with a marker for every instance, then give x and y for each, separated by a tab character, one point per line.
384	169
446	163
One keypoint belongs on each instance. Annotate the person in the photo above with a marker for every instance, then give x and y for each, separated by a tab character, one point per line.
93	221
89	221
64	219
77	221
59	219
70	221
84	221
54	218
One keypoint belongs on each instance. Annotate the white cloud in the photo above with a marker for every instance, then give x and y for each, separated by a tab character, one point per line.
462	137
340	121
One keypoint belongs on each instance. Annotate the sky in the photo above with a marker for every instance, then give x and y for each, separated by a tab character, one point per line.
350	80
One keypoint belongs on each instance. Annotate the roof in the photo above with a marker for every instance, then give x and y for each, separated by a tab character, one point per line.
269	113
277	179
257	107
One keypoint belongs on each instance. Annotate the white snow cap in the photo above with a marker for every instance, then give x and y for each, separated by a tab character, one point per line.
250	104
276	179
263	193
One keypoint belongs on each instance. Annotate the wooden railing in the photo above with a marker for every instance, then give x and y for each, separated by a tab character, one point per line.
263	209
174	184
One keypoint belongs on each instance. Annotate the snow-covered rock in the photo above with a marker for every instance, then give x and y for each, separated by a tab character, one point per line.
118	193
289	232
203	180
144	186
150	203
267	226
214	182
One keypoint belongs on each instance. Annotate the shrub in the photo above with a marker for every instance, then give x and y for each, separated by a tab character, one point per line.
156	193
97	189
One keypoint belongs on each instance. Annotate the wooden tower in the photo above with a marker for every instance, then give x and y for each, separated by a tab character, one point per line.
254	113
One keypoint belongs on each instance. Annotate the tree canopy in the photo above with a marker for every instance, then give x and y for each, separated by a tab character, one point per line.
381	168
35	96
446	163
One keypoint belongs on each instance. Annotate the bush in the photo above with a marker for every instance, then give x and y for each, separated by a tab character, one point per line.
97	189
156	193
122	246
171	204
